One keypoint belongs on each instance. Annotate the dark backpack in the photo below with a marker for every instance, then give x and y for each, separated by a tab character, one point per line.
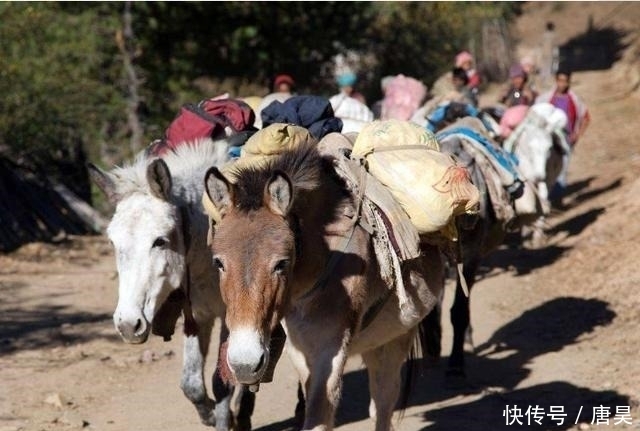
208	119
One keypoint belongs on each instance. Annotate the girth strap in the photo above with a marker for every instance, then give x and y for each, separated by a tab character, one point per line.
384	148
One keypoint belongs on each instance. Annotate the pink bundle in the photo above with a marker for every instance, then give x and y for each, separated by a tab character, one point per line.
403	97
511	118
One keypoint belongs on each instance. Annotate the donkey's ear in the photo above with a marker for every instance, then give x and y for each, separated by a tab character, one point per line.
159	179
105	182
219	191
278	194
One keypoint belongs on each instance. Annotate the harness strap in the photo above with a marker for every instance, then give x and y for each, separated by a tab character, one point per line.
384	148
333	261
344	243
190	324
373	311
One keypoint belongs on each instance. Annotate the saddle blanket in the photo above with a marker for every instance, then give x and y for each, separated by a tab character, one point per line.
504	163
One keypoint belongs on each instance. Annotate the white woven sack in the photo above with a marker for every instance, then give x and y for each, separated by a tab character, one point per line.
428	184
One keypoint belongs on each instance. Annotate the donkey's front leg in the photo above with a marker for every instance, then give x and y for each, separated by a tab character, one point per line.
384	364
539	238
320	364
223	392
192	382
324	388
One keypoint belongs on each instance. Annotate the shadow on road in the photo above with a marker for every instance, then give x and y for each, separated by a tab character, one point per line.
595	49
490	412
520	261
575	225
590	194
496	368
577	186
44	326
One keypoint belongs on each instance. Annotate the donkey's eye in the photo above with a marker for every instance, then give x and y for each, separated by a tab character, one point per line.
281	266
218	263
159	242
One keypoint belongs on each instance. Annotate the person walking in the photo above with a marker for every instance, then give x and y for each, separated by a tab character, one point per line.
578	116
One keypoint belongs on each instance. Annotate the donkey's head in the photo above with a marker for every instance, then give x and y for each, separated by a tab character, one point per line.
533	150
254	249
535	146
147	233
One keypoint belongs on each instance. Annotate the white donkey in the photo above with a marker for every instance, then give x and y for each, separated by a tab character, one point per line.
539	144
159	233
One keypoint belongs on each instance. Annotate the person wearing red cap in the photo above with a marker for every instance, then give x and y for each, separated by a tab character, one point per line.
283	84
518	92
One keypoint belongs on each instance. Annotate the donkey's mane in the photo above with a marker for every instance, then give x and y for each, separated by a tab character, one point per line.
302	165
188	161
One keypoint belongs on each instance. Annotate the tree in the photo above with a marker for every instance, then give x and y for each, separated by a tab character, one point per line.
74	79
56	75
421	39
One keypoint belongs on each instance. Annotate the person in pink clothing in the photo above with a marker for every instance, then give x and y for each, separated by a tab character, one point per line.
562	97
465	61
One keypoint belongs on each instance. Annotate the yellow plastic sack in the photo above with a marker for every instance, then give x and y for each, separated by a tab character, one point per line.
259	148
253	102
428	184
274	139
267	143
387	133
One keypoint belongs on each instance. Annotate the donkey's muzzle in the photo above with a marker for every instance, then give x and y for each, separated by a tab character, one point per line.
134	331
247	356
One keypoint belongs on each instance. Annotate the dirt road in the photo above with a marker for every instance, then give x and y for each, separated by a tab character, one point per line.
552	327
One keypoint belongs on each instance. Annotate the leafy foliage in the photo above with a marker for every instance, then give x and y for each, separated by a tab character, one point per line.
53	81
56	78
420	39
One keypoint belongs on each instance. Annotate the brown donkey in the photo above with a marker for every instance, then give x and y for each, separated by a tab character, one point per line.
287	247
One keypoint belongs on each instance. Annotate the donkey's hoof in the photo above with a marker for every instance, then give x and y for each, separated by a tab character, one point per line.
211	422
298	421
243	426
206	411
537	241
